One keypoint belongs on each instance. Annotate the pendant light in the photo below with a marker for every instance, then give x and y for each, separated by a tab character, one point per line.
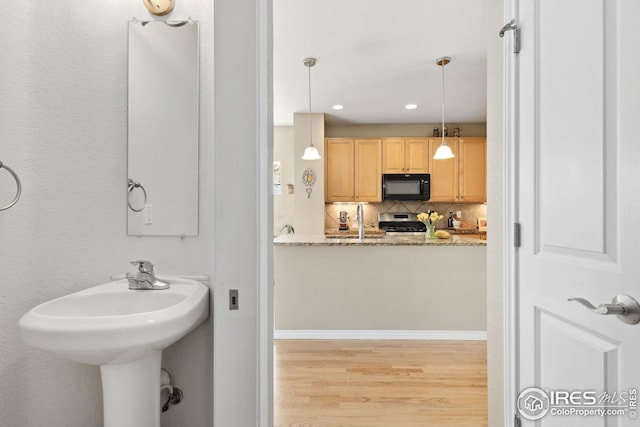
444	151
311	152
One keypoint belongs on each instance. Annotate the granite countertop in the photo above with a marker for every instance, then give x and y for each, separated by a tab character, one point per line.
391	239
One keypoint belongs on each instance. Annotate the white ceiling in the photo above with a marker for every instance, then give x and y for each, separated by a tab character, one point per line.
376	56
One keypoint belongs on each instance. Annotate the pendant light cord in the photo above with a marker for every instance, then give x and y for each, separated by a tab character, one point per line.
310	138
311	152
443	64
443	152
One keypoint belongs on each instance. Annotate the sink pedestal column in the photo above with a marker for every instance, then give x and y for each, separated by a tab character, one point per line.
131	392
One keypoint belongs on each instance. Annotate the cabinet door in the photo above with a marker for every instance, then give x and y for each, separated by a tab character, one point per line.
368	170
416	158
444	173
473	169
393	156
339	170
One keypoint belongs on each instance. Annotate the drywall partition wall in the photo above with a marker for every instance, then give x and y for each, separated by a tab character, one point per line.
284	203
309	208
495	213
63	97
244	216
380	288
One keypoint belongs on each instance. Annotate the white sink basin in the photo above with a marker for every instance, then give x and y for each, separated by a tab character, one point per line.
111	324
124	331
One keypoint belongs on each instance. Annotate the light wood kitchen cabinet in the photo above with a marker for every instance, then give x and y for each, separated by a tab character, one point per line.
463	178
368	170
339	170
472	169
353	170
444	173
393	155
405	155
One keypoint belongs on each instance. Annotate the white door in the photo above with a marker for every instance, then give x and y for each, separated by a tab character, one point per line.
578	136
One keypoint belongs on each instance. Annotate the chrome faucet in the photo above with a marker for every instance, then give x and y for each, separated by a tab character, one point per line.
360	219
145	278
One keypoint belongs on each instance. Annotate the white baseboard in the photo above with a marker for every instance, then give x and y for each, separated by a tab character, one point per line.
314	334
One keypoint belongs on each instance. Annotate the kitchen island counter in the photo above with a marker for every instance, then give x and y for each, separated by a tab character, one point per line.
395	283
398	239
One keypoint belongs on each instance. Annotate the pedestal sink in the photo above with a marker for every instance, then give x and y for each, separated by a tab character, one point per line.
124	332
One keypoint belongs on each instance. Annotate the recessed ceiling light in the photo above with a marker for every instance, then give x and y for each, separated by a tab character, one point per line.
338	107
411	106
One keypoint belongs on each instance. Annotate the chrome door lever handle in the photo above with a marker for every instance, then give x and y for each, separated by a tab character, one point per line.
602	308
625	307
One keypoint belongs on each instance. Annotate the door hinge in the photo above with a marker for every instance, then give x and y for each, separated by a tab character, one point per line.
516	234
516	34
516	421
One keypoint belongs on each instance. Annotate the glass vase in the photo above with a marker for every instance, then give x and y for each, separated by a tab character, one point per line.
430	233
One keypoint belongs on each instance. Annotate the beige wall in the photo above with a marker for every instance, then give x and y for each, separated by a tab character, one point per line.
308	210
380	288
305	214
407	130
284	203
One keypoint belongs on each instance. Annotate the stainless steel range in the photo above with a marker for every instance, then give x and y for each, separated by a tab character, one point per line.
401	222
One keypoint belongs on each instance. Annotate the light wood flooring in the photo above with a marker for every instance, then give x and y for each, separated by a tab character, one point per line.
380	383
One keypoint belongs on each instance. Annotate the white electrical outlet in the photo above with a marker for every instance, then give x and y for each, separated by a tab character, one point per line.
459	214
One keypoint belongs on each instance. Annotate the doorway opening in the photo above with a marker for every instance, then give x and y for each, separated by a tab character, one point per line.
339	125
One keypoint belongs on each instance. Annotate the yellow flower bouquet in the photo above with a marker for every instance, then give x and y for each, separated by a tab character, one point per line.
429	219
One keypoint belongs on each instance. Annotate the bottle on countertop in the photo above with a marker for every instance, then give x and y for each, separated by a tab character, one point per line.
450	220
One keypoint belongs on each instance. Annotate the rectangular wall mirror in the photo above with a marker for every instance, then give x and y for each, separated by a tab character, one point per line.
163	131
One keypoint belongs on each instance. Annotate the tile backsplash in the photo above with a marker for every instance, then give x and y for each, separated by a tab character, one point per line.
470	212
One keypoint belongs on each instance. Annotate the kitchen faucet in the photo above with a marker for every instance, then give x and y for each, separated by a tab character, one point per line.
145	278
360	219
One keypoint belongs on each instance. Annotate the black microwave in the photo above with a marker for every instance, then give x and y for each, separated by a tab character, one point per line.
400	186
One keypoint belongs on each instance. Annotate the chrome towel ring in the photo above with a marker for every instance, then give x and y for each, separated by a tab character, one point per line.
131	186
18	192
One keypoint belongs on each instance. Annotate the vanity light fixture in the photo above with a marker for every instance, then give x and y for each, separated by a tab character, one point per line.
411	106
338	107
444	151
159	7
311	152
